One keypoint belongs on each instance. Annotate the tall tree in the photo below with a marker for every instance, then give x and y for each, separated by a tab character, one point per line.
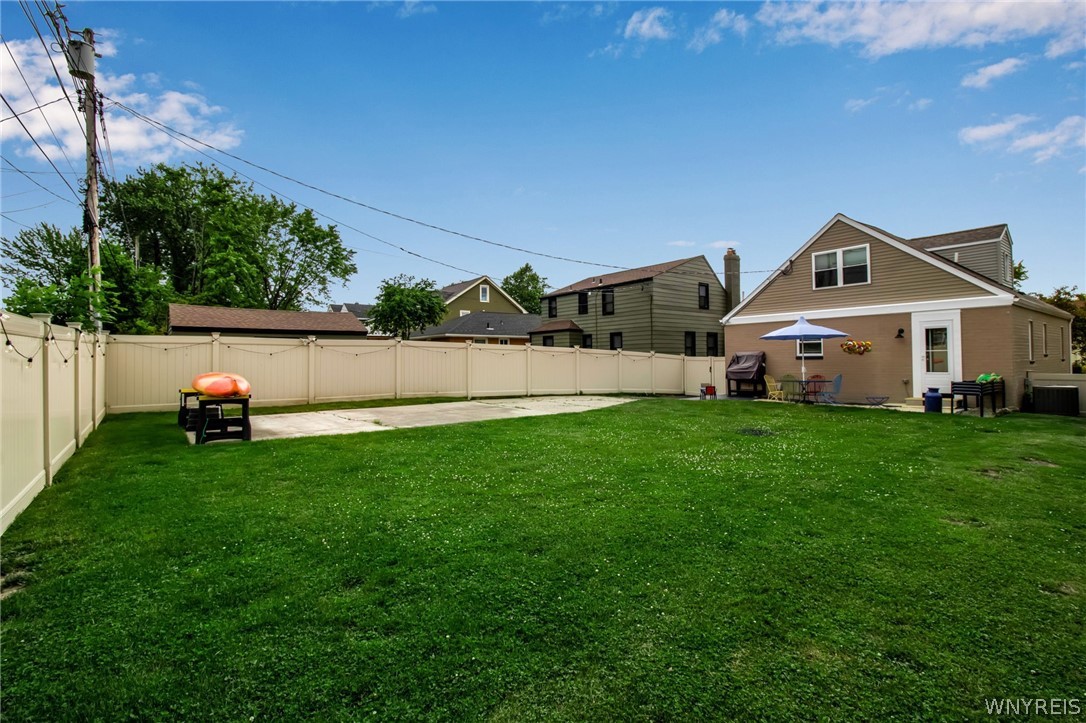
218	242
405	305
526	286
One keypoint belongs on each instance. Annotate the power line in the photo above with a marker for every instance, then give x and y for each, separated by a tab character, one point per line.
44	188
34	97
4	98
45	47
39	107
367	206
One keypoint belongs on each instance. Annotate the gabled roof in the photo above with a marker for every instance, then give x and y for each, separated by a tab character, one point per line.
628	276
915	248
556	325
453	291
362	311
959	238
189	317
483	323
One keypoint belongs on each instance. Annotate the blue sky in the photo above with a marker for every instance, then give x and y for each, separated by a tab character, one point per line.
618	133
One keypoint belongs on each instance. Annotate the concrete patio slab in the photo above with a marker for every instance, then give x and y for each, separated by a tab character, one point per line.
383	419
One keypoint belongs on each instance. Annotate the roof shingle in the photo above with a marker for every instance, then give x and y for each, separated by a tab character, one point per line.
190	317
619	277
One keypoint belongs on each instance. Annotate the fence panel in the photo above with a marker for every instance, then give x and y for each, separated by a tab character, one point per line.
60	349
355	369
499	371
668	372
86	351
636	372
143	373
554	370
599	371
433	369
277	368
698	371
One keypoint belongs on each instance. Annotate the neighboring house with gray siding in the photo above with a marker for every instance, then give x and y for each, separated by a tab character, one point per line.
672	308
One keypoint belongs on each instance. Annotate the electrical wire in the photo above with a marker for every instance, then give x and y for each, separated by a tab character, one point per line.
44	188
39	107
35	140
26	11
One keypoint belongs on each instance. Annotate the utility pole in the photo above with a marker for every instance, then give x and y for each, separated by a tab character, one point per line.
80	54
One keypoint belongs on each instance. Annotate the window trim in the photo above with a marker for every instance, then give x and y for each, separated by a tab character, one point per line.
503	342
1029	340
612	341
479	341
465	312
552	308
1044	339
799	349
484	293
840	267
703	298
608	294
582	303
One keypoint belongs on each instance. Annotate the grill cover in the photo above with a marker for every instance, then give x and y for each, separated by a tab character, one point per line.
747	366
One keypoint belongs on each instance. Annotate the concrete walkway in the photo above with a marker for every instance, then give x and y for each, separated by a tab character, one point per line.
382	419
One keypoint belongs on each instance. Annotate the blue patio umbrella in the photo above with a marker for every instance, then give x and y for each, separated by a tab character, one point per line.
803	330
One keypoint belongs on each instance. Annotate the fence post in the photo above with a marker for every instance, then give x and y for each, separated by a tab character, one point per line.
94	383
398	371
215	351
577	369
683	358
528	368
75	386
652	372
311	367
467	365
43	359
620	371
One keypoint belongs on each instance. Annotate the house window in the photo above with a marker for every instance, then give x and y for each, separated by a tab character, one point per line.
464	312
843	267
1029	342
503	342
703	296
690	343
586	341
616	340
582	302
1008	269
712	347
479	341
484	293
1063	344
1044	339
809	349
548	341
552	307
609	302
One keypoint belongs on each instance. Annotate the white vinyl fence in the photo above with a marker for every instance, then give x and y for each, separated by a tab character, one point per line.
52	396
57	383
145	372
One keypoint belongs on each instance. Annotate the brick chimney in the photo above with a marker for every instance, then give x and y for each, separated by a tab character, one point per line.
731	278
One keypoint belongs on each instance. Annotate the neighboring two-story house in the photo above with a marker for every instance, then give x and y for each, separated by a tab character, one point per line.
936	309
479	294
671	308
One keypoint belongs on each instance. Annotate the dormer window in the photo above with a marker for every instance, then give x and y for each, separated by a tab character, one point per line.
842	267
484	293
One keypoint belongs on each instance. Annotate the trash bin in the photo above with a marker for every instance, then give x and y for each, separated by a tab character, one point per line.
933	400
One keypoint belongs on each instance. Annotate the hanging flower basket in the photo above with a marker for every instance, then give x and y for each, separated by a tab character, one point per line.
854	346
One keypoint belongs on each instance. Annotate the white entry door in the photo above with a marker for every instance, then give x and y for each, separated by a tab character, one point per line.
936	347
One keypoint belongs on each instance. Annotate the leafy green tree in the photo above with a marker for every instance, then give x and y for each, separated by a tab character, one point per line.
218	242
1019	274
405	305
526	286
1073	301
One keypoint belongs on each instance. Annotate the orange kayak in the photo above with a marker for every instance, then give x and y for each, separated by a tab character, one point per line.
221	384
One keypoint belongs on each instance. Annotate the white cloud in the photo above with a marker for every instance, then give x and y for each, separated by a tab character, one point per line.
855	105
415	7
884	27
920	104
680	243
611	50
713	33
132	141
1074	65
983	77
724	244
995	131
1069	134
649	24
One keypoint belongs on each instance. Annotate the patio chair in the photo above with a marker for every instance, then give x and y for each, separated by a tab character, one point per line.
813	389
828	393
791	390
773	389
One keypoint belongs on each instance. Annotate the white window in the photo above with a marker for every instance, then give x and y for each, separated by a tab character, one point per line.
1063	344
464	312
484	293
809	349
503	342
842	267
1044	339
1029	330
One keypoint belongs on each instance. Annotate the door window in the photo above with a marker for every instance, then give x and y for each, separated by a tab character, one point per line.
937	351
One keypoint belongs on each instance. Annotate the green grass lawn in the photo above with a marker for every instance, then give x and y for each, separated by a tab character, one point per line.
661	559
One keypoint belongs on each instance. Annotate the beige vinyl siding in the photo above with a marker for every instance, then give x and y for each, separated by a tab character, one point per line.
675	307
985	258
469	301
896	277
